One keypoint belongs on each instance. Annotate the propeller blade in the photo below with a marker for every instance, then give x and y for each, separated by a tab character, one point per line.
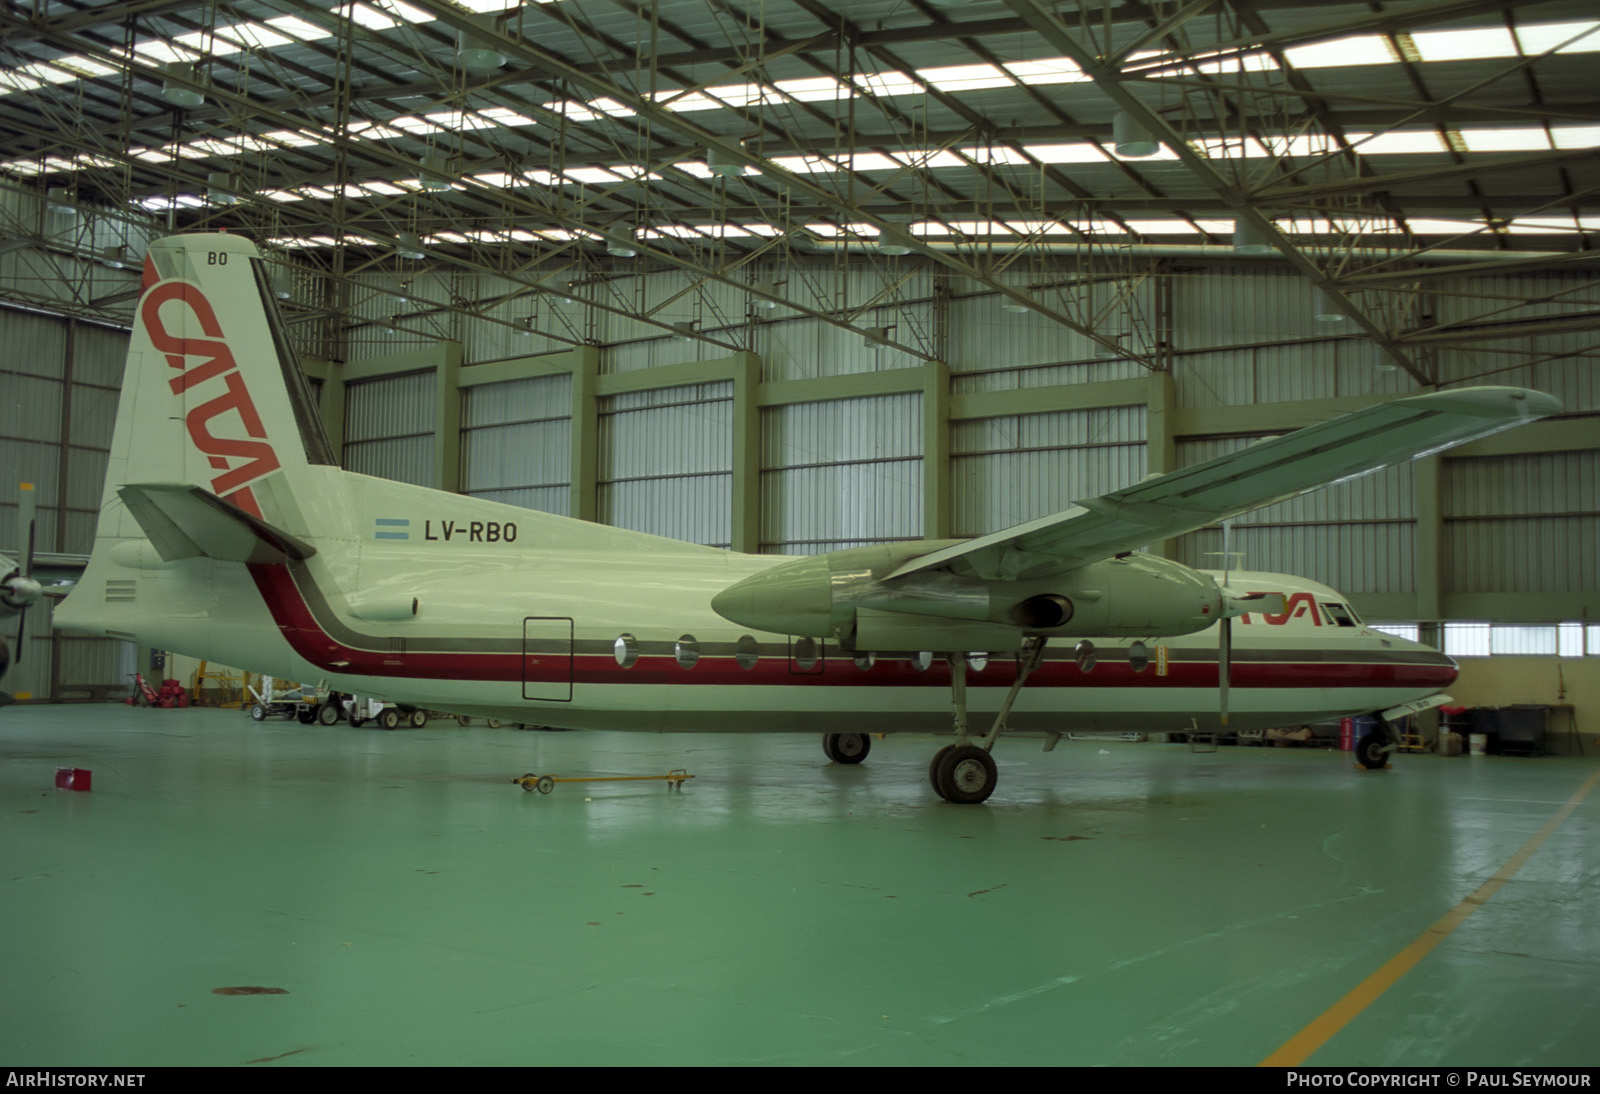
26	524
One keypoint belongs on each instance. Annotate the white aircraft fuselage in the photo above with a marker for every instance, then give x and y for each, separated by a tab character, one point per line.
228	532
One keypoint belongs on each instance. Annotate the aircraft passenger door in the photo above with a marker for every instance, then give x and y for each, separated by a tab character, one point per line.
547	658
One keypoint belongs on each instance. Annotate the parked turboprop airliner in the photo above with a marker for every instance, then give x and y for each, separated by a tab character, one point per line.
229	532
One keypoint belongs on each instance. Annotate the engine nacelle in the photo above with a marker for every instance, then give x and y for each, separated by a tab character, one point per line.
844	595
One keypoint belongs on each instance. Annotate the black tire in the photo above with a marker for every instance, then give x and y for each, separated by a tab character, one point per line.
463	721
419	718
328	713
307	715
846	748
258	713
966	775
389	718
1370	753
933	766
357	723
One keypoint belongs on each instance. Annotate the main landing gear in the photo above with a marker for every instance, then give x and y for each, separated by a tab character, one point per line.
963	773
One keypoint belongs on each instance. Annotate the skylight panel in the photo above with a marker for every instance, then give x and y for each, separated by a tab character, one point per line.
367	16
15	80
1168	227
83	67
803	165
26	167
1003	154
964	77
1430	226
1464	45
281	195
504	115
929	158
405	12
1055	70
1361	49
1364	226
1260	61
886	84
1299	144
815	89
382	189
1519	139
1229	148
253	36
591	176
161	53
1076	152
1575	136
868	161
484	7
1541	37
1303	226
1039	227
299	29
741	95
1546	225
1389	144
679	103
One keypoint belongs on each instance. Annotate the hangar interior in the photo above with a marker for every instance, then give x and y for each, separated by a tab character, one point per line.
796	275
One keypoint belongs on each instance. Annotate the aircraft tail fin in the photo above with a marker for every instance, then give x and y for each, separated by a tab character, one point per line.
214	395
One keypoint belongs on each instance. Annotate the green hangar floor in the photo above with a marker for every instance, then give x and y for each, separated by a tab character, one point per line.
1112	904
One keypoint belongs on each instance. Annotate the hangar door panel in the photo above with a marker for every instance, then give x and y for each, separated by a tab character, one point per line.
547	659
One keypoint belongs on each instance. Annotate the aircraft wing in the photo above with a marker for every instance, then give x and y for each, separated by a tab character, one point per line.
1265	472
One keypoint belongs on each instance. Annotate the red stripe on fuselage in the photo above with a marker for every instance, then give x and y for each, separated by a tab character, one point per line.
311	641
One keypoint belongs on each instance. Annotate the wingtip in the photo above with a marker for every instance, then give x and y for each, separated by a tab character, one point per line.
1496	402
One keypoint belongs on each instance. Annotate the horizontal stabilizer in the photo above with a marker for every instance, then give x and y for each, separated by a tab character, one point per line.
184	521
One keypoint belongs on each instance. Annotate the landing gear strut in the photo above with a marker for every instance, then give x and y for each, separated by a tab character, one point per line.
964	773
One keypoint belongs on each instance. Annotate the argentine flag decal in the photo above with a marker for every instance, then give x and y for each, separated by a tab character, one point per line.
392	528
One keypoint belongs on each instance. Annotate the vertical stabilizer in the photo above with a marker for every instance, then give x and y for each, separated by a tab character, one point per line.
213	395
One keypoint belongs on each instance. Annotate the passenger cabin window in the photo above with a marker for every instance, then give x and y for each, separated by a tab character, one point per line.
1340	615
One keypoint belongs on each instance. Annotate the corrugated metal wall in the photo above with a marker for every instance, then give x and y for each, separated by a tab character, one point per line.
666	462
1523	523
46	425
842	473
516	442
389	426
1008	470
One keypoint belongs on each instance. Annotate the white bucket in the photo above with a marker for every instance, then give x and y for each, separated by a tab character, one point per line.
1479	743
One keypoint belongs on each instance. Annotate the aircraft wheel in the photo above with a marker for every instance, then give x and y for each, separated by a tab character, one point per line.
328	713
933	766
846	748
389	718
494	723
966	775
1370	753
419	718
258	713
463	721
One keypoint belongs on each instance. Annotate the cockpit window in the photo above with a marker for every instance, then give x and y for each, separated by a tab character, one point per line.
1341	615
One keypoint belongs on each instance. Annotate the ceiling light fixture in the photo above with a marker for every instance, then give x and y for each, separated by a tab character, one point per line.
1130	138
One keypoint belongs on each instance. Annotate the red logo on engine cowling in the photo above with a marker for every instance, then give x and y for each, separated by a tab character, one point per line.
215	361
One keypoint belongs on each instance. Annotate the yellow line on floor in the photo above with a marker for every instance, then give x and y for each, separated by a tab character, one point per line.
1298	1048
